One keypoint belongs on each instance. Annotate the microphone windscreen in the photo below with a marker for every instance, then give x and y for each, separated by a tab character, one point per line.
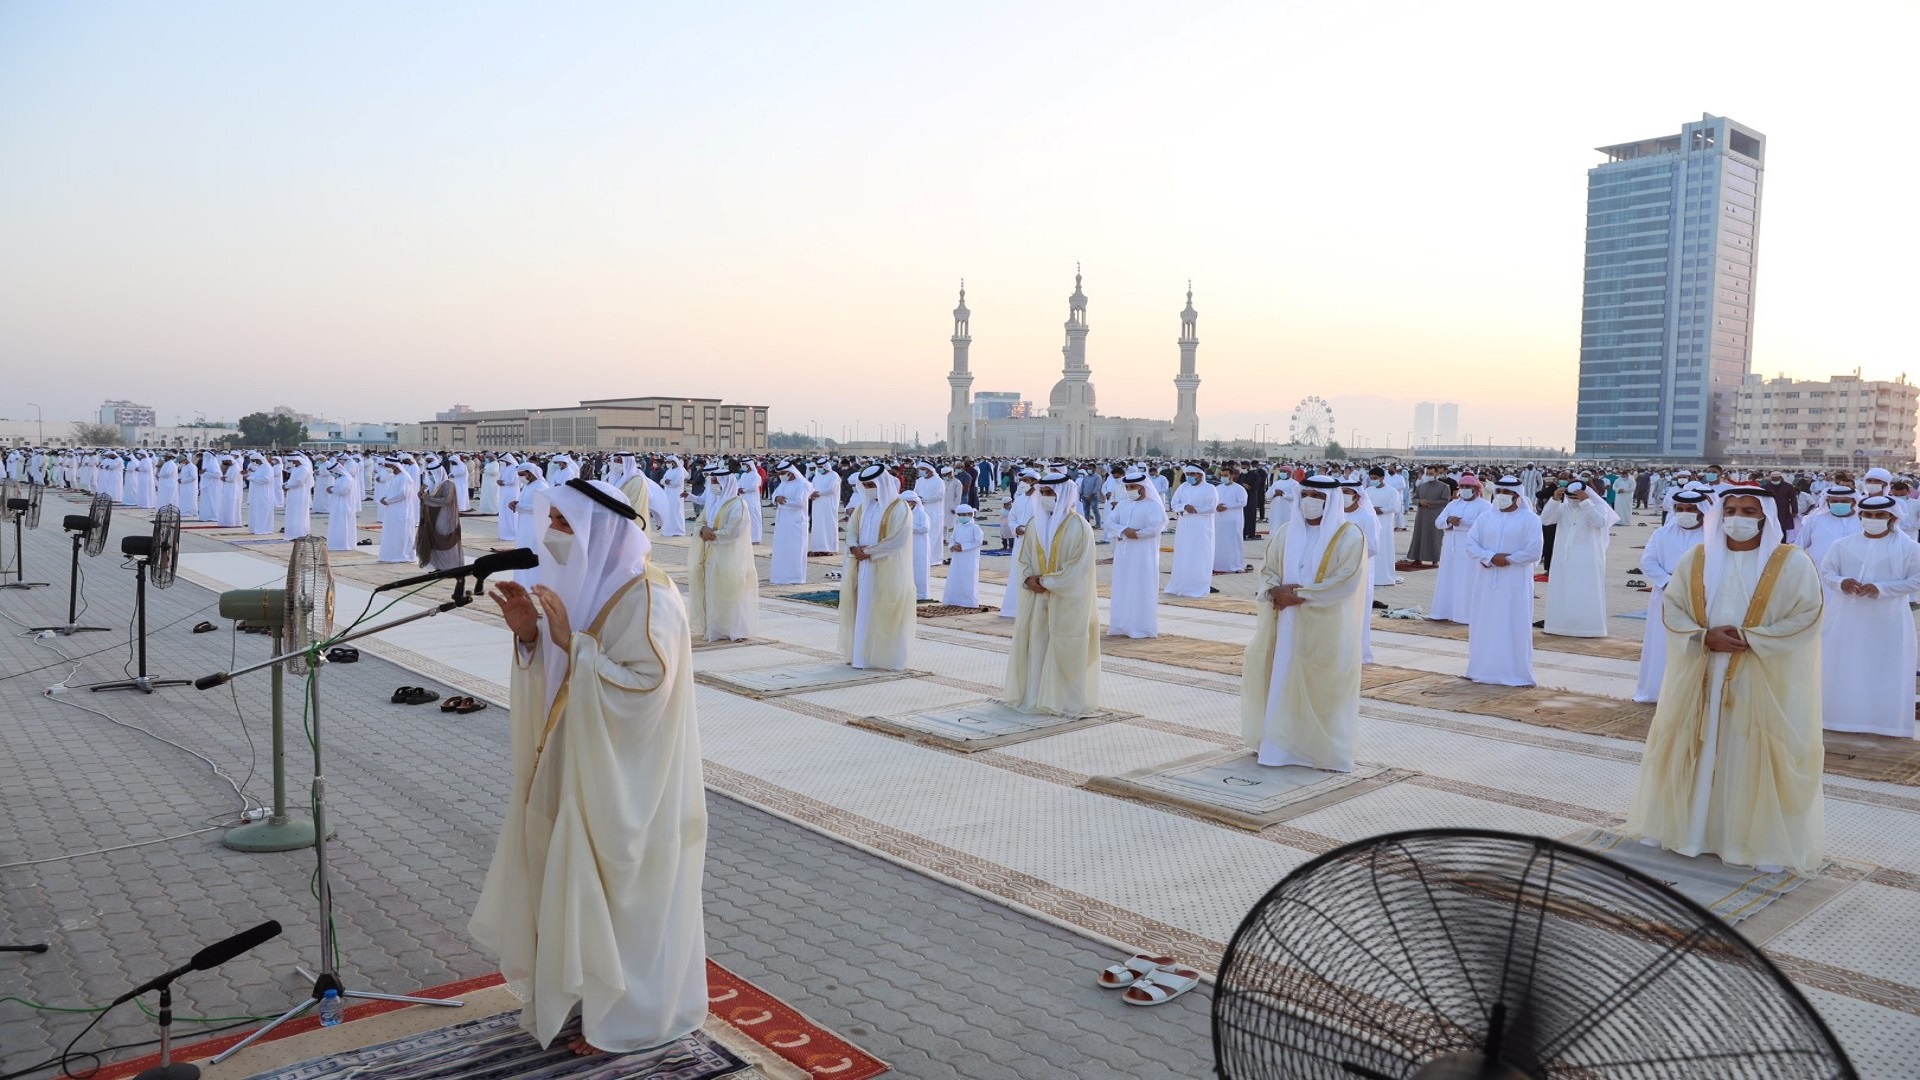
222	951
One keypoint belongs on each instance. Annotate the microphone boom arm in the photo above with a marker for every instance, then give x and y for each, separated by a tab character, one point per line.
221	678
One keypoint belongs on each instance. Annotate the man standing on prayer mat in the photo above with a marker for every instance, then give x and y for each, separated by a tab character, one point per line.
1300	687
1577	599
1430	496
1505	542
1053	668
876	581
593	899
722	583
1867	642
1733	758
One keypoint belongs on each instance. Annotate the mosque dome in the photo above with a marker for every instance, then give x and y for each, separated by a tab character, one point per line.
1071	393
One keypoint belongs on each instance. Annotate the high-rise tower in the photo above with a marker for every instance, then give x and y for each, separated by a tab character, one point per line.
1666	327
960	409
1186	415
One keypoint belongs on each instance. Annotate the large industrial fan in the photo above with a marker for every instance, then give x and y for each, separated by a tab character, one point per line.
1464	954
22	507
155	558
89	530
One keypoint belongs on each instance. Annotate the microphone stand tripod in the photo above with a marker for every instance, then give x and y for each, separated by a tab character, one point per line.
329	975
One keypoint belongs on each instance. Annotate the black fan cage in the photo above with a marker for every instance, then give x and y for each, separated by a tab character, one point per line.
99	516
165	560
1410	954
33	505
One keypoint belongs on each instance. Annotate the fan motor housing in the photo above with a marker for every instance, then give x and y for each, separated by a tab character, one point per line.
140	547
18	504
80	523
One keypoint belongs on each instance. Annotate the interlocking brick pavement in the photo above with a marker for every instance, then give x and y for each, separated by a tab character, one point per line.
935	980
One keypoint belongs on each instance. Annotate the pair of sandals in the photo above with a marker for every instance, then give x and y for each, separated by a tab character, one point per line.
462	705
1149	980
414	695
343	654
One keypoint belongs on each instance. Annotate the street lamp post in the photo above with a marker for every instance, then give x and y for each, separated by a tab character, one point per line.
38	426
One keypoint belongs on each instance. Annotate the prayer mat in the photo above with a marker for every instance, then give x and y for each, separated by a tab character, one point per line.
1614	648
991	623
781	1030
496	1048
1199	654
724	643
796	679
824	597
1735	894
1231	787
1237	605
927	610
978	725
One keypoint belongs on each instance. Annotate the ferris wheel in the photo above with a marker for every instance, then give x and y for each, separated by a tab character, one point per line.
1312	423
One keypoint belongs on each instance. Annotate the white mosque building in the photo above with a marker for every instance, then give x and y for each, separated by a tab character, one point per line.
1072	425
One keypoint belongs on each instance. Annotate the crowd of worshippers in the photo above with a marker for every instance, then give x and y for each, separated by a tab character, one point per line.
1776	603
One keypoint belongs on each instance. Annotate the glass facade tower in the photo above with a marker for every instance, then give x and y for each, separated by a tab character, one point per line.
1666	323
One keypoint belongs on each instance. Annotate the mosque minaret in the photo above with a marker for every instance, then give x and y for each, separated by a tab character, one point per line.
1072	425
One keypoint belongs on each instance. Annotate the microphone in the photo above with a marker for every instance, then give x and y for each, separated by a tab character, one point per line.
482	568
210	957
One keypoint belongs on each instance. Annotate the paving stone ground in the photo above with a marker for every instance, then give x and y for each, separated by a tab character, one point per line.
933	979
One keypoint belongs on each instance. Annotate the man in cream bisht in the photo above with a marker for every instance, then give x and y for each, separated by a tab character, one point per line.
1733	758
1867	644
593	898
1054	666
1300	686
1504	544
1134	525
876	585
721	581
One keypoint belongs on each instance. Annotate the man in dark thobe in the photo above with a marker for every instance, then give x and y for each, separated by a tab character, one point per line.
1430	496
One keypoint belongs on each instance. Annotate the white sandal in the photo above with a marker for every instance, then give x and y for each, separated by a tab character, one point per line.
1161	985
1121	976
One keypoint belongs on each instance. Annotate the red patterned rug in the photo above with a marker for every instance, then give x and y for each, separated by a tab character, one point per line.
773	1024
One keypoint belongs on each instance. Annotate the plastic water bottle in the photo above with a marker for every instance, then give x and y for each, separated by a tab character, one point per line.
331	1008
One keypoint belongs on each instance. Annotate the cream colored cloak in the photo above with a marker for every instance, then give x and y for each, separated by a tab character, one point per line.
1300	685
876	596
1054	668
722	583
593	898
1745	785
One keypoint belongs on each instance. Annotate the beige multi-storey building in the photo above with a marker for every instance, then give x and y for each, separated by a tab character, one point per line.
1832	423
640	425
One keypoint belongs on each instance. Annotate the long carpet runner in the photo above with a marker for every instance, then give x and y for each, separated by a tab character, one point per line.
497	1048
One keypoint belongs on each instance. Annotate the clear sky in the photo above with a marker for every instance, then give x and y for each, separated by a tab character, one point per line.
374	210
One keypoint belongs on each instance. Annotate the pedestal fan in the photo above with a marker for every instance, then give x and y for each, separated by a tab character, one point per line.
22	507
89	530
307	624
1465	954
155	558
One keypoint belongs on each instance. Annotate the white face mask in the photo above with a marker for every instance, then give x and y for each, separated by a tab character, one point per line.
1687	518
1047	499
1313	507
1740	529
559	545
1502	500
1136	494
1875	487
1875	526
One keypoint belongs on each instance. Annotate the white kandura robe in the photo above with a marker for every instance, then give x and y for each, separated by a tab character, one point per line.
824	531
922	544
1229	530
1665	545
188	497
1382	502
963	575
876	593
490	487
673	508
299	500
1819	531
933	500
1500	624
397	494
750	490
167	485
1300	684
1377	536
1453	582
343	500
530	513
593	898
1867	647
789	563
508	486
1134	610
457	472
721	581
1193	547
226	492
1577	595
1733	758
263	492
1018	515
